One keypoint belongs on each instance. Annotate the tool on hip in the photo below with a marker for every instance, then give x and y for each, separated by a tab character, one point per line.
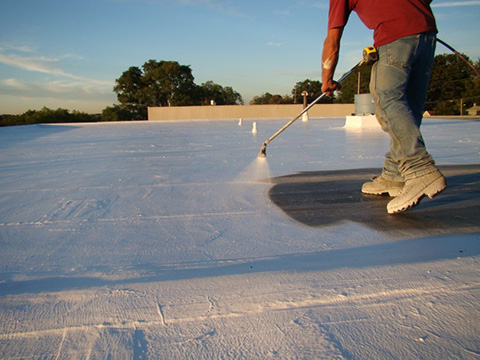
369	57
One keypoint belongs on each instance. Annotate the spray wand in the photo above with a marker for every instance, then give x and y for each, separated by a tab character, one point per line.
369	57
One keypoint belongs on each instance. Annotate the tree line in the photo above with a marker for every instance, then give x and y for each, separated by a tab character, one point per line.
48	116
453	84
168	83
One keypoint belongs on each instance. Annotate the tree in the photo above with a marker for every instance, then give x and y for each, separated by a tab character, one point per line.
350	85
313	88
450	79
129	88
164	83
268	98
46	115
122	113
472	91
220	95
168	84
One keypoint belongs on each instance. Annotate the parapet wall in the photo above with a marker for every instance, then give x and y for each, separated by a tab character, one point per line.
246	111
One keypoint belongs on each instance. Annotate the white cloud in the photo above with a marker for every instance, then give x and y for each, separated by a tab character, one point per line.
36	64
58	87
15	57
10	47
274	44
17	96
457	3
15	84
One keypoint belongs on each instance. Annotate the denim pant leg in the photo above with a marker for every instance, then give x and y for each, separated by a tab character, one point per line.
399	83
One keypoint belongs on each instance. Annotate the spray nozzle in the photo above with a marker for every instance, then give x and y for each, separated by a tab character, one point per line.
263	151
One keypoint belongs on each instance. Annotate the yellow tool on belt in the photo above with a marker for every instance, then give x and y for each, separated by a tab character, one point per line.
370	55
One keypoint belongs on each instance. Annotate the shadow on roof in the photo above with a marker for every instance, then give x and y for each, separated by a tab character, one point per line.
324	198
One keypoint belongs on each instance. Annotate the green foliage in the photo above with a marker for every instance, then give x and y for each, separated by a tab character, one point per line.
129	86
47	116
312	87
220	95
349	86
447	108
451	79
452	83
268	98
314	90
124	113
166	83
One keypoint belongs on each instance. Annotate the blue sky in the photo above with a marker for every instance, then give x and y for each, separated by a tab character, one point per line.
68	53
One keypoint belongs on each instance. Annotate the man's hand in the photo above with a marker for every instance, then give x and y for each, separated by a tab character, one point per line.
330	86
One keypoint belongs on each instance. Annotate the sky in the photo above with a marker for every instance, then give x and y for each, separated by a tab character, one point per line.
67	53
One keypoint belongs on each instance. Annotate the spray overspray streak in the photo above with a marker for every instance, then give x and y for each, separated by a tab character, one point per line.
257	171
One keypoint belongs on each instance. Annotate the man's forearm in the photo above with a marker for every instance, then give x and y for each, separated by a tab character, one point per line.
330	54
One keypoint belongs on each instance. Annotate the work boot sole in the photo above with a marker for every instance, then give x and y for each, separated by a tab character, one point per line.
404	202
391	192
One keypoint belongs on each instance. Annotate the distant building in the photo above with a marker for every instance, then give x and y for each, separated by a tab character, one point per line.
474	110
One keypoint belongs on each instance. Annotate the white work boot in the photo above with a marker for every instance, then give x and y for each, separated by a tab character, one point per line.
415	189
379	186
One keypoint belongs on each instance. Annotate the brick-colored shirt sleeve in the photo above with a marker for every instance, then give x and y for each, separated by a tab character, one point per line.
338	13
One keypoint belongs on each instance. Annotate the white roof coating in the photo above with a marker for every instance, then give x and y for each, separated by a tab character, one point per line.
172	240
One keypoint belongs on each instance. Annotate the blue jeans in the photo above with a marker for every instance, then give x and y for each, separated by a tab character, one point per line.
399	83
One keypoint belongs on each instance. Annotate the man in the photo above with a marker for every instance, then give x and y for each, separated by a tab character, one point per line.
405	38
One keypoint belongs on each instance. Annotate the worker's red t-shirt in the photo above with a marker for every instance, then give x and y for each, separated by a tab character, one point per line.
390	19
